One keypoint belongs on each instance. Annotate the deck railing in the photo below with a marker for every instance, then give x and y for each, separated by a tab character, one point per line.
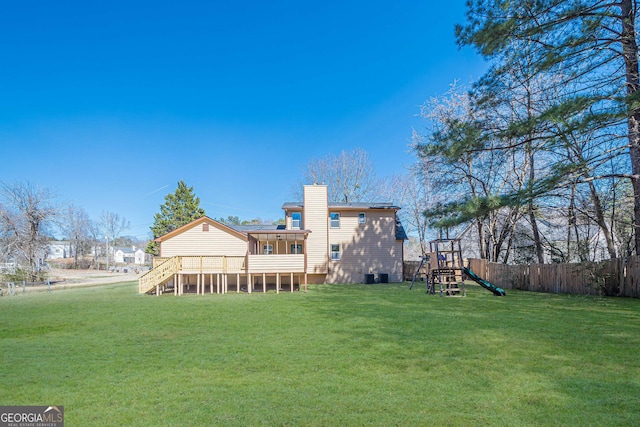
159	274
165	268
212	264
290	263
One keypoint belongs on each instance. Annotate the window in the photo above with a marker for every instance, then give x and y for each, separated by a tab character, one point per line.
335	219
335	252
296	248
362	217
267	249
296	220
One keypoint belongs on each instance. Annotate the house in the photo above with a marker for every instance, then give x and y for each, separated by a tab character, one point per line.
58	249
130	255
321	242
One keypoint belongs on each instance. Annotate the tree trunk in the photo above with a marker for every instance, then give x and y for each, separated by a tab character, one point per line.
572	221
480	229
532	176
601	221
630	54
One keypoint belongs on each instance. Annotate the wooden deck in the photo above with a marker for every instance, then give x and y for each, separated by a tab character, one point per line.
249	273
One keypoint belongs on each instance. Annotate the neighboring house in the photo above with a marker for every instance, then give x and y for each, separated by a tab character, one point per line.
58	249
321	242
553	233
131	255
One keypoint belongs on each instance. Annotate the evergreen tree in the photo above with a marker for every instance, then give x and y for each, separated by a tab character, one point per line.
179	208
590	49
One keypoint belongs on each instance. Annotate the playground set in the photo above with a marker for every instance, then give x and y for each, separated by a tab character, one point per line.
442	269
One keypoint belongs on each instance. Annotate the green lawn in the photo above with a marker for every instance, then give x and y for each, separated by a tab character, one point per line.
337	355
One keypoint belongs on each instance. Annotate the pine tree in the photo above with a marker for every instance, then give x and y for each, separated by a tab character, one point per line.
590	47
179	208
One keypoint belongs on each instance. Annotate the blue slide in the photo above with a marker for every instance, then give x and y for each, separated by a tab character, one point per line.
473	276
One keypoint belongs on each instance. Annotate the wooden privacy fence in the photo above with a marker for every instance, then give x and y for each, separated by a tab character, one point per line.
409	270
616	277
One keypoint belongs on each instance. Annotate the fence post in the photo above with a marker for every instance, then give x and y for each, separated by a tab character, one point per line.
24	287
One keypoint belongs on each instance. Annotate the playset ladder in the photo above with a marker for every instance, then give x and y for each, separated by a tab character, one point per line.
446	272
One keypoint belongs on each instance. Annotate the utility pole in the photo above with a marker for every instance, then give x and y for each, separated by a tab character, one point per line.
107	240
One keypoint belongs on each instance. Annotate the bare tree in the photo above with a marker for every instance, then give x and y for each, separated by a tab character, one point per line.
74	222
112	225
349	176
96	233
412	193
25	213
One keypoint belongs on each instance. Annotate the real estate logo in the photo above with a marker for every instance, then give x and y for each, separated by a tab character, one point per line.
31	416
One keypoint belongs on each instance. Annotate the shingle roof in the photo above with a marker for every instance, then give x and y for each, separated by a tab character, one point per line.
292	205
256	227
401	234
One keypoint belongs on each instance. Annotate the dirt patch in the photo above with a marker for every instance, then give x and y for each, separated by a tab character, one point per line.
91	276
68	279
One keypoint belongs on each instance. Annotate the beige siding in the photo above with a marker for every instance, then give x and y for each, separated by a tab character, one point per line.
315	218
369	248
194	241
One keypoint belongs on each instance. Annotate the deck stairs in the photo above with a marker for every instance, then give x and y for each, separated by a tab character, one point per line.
158	276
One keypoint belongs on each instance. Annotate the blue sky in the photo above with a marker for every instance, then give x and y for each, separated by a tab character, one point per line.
110	104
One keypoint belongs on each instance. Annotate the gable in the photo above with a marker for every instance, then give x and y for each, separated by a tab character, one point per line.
205	237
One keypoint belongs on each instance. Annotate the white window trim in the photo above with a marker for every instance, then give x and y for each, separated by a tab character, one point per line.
299	226
267	249
331	220
337	253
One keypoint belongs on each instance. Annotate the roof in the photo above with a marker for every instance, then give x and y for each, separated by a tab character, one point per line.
338	205
281	235
401	234
256	227
200	221
126	249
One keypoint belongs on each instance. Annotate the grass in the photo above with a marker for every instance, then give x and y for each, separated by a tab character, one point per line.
337	355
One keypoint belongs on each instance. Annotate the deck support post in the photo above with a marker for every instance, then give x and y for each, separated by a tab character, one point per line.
264	283
291	283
